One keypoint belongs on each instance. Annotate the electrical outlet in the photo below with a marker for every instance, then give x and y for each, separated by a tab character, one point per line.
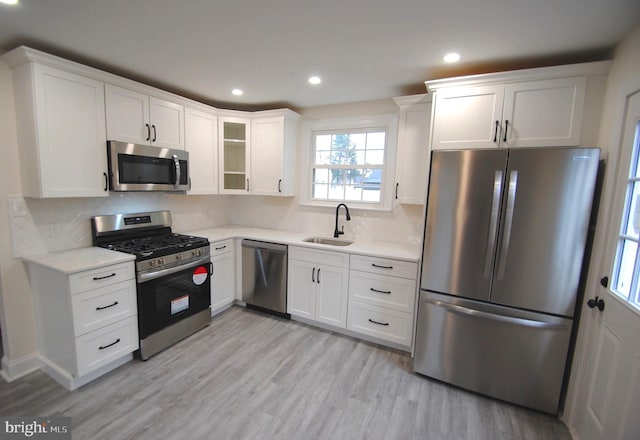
17	206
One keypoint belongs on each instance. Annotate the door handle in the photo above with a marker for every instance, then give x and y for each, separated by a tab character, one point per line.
148	132
154	133
596	302
511	201
176	163
506	128
313	275
495	134
493	223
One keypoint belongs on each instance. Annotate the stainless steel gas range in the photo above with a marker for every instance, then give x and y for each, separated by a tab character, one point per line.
173	273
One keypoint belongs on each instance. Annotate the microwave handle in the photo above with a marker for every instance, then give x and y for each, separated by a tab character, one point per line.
176	162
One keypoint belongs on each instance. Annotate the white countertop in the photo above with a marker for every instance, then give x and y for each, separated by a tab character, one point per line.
78	260
374	248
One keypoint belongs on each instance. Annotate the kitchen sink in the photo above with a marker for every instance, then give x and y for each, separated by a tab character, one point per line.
329	241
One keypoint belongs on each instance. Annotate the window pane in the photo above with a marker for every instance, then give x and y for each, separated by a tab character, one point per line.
323	157
321	175
323	142
626	267
358	140
320	191
336	192
375	157
353	192
633	219
376	140
371	193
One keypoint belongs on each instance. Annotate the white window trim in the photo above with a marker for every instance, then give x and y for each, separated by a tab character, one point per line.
389	121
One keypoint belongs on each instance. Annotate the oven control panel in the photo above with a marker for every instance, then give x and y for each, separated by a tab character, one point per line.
172	260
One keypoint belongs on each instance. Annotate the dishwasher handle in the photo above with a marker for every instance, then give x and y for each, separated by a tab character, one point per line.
275	247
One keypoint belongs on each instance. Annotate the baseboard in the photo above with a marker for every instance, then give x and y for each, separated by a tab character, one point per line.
15	369
71	382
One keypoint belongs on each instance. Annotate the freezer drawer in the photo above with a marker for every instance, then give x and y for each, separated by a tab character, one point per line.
504	353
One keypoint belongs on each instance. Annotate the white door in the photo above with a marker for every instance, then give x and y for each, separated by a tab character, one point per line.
127	115
223	290
610	389
167	124
332	295
301	289
267	156
201	141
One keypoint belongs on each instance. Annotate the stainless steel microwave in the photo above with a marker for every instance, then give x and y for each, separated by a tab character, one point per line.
134	167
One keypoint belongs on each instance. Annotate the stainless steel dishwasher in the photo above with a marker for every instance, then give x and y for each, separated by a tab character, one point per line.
264	276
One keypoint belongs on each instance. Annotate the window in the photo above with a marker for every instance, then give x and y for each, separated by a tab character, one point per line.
350	161
626	274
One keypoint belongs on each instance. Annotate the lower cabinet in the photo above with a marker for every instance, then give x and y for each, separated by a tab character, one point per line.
382	296
87	319
223	279
318	285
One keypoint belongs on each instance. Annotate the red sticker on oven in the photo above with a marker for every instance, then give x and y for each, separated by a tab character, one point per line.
200	275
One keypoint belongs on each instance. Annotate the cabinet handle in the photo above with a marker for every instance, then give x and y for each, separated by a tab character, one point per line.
318	277
506	128
495	135
104	277
397	184
379	323
280	185
313	275
221	247
106	307
106	181
154	133
381	267
386	292
210	268
148	132
247	185
102	347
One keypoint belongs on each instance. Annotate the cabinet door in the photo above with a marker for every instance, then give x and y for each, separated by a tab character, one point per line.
234	155
267	156
223	281
301	289
412	164
127	115
71	138
467	117
201	130
543	113
167	124
332	295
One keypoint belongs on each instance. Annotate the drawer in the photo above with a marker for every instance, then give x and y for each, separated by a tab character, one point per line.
221	247
385	266
103	306
104	276
340	259
107	344
382	290
381	323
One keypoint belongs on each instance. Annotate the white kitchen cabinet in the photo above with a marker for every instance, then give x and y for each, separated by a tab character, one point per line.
412	153
317	285
234	154
201	141
61	130
382	294
273	148
142	119
223	279
86	310
537	113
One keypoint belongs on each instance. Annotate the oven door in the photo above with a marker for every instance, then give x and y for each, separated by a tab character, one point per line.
170	295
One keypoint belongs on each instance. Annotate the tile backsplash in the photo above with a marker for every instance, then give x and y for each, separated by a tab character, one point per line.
50	225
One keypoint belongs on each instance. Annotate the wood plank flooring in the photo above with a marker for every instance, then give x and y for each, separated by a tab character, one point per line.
253	376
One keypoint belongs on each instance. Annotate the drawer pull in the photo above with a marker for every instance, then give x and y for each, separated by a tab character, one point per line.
106	307
381	267
221	247
379	323
104	277
110	345
386	292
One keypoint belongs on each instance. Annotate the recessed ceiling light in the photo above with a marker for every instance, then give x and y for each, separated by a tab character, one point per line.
237	92
452	57
9	2
315	80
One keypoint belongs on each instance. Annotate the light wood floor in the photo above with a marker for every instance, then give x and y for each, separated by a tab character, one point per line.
253	376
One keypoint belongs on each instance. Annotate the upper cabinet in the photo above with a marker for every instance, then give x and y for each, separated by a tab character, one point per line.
201	141
142	119
527	108
257	153
412	162
61	129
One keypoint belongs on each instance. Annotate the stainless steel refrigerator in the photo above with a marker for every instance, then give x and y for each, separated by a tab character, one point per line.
503	250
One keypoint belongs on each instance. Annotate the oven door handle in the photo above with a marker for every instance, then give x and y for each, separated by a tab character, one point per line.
148	276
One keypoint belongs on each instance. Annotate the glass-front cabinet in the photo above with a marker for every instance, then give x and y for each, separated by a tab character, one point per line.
234	160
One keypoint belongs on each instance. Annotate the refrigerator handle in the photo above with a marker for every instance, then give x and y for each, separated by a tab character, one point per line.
461	310
508	221
493	223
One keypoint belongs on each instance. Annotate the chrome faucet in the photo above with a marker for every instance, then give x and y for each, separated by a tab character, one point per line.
339	232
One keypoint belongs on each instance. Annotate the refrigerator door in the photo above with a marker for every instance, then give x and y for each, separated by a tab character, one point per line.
546	209
497	351
463	207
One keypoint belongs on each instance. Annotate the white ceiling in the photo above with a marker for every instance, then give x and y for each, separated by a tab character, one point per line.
363	49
